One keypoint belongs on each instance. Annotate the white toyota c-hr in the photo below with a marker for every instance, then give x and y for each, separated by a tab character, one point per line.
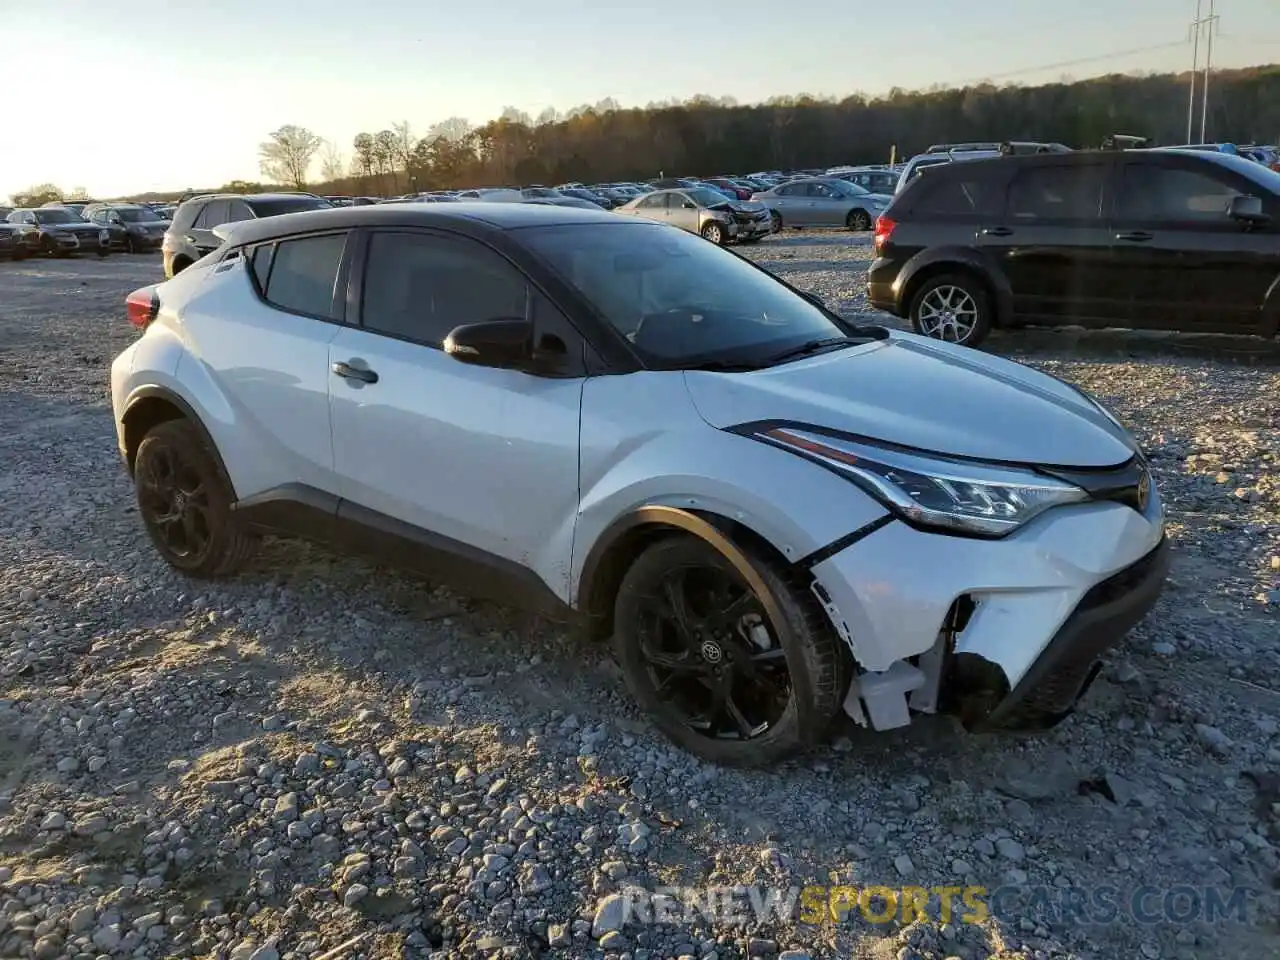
776	515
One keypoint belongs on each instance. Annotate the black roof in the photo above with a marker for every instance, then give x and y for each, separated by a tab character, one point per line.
475	217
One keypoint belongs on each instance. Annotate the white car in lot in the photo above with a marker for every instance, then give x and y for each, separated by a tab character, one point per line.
775	514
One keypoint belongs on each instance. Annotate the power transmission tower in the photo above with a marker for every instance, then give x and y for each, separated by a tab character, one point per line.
1210	25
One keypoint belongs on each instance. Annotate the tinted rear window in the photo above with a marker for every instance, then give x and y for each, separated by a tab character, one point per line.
278	205
959	192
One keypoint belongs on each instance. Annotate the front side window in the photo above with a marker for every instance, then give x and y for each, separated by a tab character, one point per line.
303	274
1068	192
420	286
706	197
680	300
1157	193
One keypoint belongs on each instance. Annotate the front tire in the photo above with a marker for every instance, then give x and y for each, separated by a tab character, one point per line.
702	656
775	218
104	253
714	233
186	504
953	307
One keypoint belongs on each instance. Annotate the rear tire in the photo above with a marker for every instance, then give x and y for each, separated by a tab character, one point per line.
953	307
185	503
858	220
783	695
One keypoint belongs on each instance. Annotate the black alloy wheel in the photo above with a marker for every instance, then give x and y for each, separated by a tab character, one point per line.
185	502
717	672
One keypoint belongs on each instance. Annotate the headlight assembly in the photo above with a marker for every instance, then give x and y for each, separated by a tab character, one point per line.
979	499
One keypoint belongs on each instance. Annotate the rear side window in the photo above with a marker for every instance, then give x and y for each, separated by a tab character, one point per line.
419	287
260	261
214	214
1067	192
302	274
1151	192
959	193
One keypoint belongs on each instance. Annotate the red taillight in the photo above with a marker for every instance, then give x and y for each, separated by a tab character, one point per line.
141	307
884	230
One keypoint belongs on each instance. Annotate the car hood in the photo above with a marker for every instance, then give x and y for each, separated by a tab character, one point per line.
923	394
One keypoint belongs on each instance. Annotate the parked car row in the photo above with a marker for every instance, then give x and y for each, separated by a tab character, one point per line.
60	229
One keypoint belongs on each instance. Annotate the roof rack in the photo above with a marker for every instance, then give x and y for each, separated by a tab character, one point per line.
957	147
1124	141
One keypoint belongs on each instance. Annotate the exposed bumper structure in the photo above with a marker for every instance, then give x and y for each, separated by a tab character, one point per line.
1005	633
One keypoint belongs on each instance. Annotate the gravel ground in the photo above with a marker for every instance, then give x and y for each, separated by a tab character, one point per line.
325	759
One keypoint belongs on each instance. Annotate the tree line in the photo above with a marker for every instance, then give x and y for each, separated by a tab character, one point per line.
708	135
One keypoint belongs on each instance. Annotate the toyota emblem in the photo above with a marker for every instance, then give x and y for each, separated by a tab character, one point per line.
711	651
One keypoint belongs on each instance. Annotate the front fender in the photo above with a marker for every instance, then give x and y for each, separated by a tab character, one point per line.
932	259
794	505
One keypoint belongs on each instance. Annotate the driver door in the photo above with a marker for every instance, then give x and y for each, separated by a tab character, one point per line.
473	457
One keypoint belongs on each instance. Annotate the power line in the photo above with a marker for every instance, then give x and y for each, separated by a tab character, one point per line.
1114	55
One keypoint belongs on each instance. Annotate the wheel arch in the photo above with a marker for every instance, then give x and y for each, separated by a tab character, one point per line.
614	551
961	261
150	406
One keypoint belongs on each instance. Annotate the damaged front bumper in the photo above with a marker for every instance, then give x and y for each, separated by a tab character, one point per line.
1005	634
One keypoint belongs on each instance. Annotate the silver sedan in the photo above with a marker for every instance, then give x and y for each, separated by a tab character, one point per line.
703	211
822	202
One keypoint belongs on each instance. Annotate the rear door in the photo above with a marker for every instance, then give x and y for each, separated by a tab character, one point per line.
791	203
653	207
261	329
1186	264
1053	242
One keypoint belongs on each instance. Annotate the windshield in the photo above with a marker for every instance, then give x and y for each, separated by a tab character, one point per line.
57	215
137	215
278	205
706	197
680	300
540	192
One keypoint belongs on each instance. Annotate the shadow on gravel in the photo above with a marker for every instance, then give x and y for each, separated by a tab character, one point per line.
1127	345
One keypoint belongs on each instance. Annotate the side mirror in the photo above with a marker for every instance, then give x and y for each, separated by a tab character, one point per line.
1246	208
506	343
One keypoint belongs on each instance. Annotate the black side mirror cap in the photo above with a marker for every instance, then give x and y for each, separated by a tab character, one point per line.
1247	208
506	343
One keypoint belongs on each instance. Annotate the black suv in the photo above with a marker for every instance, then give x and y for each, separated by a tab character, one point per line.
1159	239
190	235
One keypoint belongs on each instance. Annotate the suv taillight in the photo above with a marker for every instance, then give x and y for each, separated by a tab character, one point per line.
884	230
141	307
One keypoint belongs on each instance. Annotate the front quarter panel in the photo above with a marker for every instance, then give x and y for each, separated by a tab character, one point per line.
644	444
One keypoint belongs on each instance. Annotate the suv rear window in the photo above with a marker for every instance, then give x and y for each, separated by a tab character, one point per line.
959	192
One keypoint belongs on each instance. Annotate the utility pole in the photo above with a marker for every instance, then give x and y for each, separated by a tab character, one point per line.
1210	23
1195	66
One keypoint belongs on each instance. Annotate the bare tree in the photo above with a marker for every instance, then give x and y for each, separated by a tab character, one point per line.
77	194
286	156
405	142
36	195
454	129
332	164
